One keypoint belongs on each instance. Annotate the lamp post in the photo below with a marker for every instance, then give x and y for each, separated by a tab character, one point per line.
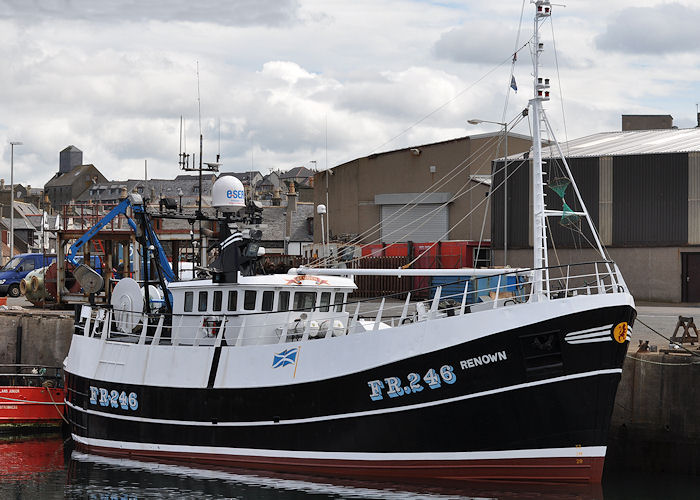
179	193
476	121
12	196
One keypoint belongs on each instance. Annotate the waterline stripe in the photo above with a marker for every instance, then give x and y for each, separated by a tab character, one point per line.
570	452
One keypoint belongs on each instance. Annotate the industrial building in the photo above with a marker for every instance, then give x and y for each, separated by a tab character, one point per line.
366	194
642	190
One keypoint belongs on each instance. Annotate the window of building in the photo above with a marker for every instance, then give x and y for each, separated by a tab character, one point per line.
249	300
304	300
283	304
232	300
189	299
268	300
202	304
217	300
325	301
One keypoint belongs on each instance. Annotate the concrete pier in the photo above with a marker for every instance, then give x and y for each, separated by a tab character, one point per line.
656	420
35	336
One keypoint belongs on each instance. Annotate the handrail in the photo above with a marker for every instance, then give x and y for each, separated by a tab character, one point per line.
240	328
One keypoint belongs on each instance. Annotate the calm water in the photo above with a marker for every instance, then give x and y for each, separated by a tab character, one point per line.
47	468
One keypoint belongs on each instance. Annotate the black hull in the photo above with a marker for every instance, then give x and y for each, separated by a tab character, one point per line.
500	419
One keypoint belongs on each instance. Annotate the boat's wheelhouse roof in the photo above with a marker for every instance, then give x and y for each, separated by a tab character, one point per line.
274	280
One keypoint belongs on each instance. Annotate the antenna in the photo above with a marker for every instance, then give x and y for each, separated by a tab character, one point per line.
199	103
218	156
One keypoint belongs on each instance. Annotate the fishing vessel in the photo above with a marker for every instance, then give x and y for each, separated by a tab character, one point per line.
31	397
513	378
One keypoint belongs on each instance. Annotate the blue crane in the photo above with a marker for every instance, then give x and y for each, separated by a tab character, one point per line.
93	282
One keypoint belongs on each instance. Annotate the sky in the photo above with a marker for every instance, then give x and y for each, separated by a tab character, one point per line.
286	83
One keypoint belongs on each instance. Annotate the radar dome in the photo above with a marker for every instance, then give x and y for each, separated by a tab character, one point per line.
228	194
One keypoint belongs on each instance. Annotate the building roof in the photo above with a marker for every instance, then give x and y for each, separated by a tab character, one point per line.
292	173
631	142
20	223
167	188
26	208
486	135
68	178
244	177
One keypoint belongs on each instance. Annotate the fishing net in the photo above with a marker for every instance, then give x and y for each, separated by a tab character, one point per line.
568	218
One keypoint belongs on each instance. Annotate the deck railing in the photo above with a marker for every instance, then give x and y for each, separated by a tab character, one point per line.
463	295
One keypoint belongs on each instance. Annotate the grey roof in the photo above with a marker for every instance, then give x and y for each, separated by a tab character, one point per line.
167	188
632	142
68	178
244	177
292	173
20	223
71	148
26	208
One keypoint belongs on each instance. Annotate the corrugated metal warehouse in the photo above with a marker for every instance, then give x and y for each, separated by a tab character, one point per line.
642	189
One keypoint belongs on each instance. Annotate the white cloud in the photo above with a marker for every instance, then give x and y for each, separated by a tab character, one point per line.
660	29
284	78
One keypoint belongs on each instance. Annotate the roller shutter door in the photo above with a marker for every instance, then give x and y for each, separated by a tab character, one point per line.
425	222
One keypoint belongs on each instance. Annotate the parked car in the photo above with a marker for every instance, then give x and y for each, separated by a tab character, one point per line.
18	267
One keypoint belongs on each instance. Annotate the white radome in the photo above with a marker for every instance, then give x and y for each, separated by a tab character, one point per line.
228	194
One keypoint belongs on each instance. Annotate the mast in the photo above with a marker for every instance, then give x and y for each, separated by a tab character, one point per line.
540	284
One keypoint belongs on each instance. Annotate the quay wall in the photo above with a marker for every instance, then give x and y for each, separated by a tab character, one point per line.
656	421
44	338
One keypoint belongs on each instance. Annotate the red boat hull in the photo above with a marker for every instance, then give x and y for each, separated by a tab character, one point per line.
33	406
549	470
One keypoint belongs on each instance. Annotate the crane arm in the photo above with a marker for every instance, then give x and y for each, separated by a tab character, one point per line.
116	211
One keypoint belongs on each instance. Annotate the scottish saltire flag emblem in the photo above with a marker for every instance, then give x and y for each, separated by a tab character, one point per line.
286	357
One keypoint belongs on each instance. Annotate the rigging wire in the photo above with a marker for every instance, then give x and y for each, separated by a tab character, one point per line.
458	169
561	93
427	216
488	197
514	60
443	105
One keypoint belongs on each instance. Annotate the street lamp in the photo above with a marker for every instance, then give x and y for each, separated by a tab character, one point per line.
180	193
477	121
12	196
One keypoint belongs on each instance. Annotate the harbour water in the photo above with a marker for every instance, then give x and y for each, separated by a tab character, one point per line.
47	467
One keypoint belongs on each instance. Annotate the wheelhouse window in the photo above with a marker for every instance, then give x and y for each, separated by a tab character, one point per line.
217	300
283	304
325	301
304	301
338	301
202	303
249	300
268	299
232	300
189	299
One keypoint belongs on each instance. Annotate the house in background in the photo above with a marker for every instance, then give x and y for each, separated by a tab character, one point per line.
72	179
300	176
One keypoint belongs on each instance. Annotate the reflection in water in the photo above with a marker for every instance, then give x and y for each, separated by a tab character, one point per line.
23	457
90	474
47	468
